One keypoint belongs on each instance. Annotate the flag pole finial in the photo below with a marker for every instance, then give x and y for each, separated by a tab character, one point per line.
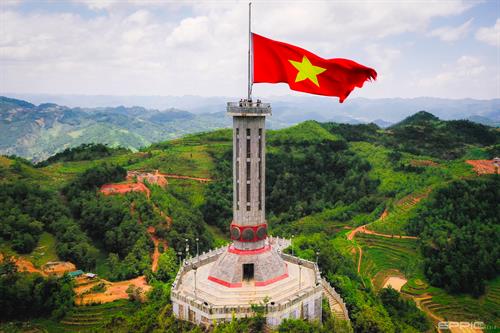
250	51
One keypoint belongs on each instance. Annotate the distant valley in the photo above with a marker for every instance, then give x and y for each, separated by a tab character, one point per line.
38	131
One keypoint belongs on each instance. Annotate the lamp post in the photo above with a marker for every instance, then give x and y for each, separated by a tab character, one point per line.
300	273
187	249
317	257
179	253
291	243
195	268
197	247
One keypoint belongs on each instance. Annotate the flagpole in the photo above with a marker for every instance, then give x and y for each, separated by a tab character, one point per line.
250	79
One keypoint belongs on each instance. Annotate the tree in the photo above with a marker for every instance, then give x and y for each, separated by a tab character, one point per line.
167	266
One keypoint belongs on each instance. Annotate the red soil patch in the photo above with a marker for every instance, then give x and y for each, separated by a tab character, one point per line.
51	268
423	163
24	265
109	189
157	241
114	290
484	167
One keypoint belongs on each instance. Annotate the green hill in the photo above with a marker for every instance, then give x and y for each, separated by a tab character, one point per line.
323	180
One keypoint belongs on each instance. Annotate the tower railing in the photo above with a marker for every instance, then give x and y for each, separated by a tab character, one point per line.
249	108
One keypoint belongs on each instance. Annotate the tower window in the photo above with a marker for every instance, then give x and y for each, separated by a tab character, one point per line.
248	170
248	196
260	142
260	196
238	196
248	143
237	143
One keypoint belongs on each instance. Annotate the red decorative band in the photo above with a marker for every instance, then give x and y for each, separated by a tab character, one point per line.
225	283
257	283
234	250
265	283
248	233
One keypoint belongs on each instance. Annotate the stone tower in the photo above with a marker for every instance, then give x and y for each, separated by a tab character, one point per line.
228	281
250	259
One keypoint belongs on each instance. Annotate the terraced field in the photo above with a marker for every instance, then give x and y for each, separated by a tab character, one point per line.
382	256
399	213
94	317
464	307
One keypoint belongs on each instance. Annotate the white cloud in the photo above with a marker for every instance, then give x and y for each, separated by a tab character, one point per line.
451	34
490	35
146	48
466	68
468	76
382	59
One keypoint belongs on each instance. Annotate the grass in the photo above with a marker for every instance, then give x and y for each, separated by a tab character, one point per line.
328	220
401	183
44	252
182	160
192	189
308	131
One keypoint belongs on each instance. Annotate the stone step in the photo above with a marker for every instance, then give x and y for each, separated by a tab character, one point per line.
335	306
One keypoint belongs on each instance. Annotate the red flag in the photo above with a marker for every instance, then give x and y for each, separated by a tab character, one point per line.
304	71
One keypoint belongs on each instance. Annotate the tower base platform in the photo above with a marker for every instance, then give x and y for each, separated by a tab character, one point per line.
199	299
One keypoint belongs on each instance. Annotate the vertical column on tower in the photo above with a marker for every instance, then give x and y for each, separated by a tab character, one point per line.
249	228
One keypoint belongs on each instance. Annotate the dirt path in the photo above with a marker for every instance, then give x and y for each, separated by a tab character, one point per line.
199	179
363	230
157	241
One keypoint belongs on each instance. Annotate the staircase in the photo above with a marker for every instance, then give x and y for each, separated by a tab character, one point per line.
337	305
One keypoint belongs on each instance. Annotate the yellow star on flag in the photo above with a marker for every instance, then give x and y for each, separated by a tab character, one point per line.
306	70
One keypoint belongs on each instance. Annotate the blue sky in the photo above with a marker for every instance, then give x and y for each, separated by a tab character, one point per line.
448	49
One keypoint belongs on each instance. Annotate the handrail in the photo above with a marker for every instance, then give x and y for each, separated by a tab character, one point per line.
249	104
336	296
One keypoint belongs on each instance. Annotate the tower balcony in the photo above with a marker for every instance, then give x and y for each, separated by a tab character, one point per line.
246	108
